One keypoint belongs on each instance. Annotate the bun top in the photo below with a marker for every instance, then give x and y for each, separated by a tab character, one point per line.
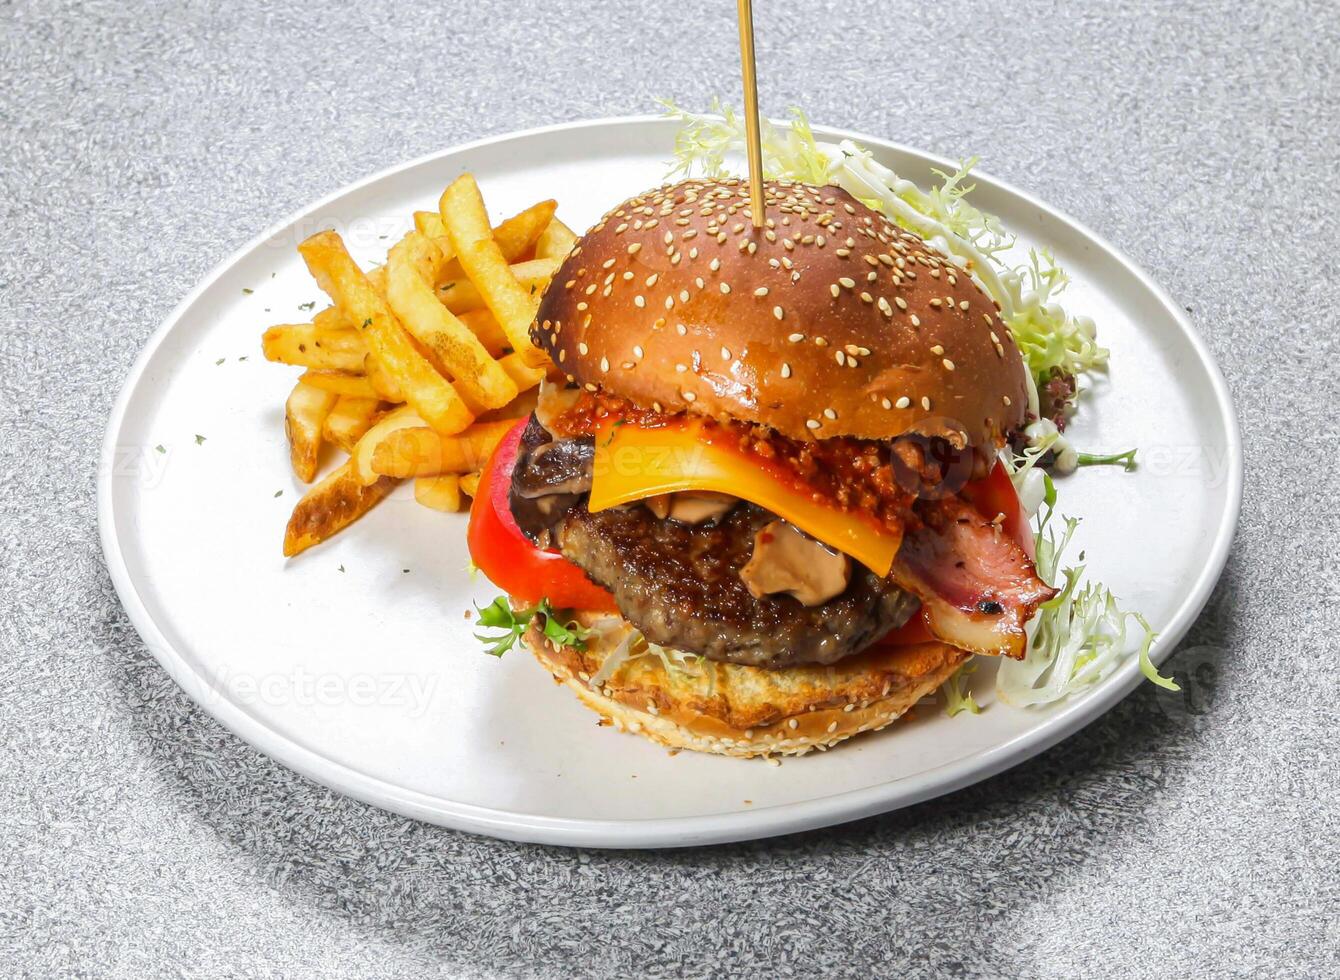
829	321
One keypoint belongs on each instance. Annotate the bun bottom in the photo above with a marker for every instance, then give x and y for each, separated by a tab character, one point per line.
729	709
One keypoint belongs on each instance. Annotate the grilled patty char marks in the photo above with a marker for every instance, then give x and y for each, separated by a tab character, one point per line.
680	585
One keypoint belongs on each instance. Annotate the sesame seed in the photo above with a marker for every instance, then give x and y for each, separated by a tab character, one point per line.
835	290
583	349
761	291
634	248
683	295
651	279
916	320
681	329
725	287
778	312
786	371
937	349
925	403
604	364
793	724
886	403
884	307
867	298
829	413
847	282
796	338
725	353
936	302
949	365
812	423
903	402
639	301
690	396
637	351
841	357
820	341
607	263
681	368
963	305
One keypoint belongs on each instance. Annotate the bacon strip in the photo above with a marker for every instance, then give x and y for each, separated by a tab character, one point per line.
977	586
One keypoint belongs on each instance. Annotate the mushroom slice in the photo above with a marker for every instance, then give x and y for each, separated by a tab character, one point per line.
786	559
691	506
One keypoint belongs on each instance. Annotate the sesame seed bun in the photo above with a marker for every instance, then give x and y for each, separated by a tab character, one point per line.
729	709
830	321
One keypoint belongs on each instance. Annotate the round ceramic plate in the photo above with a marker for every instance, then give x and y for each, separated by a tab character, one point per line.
354	663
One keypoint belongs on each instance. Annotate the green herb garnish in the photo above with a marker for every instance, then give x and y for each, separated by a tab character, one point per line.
499	615
1125	460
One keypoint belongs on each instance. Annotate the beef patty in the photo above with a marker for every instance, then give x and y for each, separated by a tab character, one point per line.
680	583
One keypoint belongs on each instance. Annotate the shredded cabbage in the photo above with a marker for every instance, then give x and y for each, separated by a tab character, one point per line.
1050	338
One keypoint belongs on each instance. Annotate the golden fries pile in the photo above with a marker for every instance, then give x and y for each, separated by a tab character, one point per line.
421	365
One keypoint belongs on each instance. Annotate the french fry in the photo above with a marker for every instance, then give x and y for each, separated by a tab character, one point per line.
307	345
555	242
516	236
519	408
462	210
439	492
304	414
386	387
526	377
431	395
521	233
470	484
457	352
339	383
349	419
483	326
330	506
429	224
399	418
420	451
464	295
331	319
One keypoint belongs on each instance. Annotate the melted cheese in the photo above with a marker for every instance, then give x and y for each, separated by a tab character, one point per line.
633	463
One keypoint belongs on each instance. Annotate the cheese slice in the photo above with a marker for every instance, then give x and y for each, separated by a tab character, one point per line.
633	463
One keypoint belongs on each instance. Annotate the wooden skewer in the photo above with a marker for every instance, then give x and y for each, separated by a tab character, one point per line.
751	128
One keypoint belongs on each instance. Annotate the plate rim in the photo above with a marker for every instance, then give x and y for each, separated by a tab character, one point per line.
713	828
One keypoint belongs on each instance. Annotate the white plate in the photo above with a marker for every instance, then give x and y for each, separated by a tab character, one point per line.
365	677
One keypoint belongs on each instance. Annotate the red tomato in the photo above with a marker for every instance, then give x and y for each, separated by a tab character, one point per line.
508	557
994	494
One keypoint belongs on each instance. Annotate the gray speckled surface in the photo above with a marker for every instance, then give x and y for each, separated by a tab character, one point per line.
139	145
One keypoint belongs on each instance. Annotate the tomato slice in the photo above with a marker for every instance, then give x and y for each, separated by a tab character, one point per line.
510	560
993	494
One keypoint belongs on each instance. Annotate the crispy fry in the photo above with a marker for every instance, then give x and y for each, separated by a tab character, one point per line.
330	506
339	383
439	492
432	396
429	224
526	377
519	408
483	326
520	233
470	484
349	419
449	344
399	418
555	242
386	387
331	319
307	345
304	414
420	451
463	295
462	210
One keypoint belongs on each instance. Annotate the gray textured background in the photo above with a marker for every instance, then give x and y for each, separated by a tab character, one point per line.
1193	836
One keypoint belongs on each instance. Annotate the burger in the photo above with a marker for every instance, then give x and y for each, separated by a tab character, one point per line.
758	508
